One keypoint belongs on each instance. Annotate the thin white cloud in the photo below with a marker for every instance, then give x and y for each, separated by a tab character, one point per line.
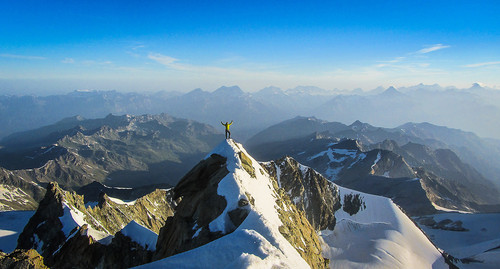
68	61
432	48
164	59
395	60
138	47
92	62
482	64
22	57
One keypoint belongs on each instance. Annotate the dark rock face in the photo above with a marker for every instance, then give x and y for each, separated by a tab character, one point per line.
81	251
310	192
22	259
446	224
45	224
200	205
353	203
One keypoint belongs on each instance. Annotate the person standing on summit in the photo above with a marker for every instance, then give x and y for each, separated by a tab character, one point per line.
227	128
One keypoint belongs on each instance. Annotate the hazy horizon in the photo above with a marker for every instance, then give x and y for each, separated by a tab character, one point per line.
37	88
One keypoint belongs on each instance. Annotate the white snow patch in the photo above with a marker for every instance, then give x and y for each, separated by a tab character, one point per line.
73	218
448	209
140	234
379	155
122	202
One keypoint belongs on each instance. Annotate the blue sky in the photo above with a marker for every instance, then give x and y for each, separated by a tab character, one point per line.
182	45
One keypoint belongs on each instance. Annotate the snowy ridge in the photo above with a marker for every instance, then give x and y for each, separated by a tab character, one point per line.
378	236
257	242
74	218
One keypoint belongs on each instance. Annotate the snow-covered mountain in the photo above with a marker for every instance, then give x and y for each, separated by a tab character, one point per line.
268	232
367	231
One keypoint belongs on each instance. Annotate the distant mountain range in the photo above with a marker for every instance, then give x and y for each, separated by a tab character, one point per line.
418	172
124	151
475	109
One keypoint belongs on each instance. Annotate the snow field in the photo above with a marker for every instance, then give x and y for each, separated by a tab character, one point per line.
380	236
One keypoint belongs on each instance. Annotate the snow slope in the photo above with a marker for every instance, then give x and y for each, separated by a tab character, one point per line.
478	242
378	236
11	225
257	242
140	234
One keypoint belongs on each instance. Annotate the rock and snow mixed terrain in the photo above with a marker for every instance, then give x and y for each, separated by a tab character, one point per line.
68	233
369	231
234	212
256	226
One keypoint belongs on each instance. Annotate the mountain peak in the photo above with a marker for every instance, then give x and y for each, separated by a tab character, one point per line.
228	196
229	91
476	86
391	91
359	126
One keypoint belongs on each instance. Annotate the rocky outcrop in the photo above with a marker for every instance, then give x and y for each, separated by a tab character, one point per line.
70	235
200	204
22	259
44	230
298	231
82	251
309	191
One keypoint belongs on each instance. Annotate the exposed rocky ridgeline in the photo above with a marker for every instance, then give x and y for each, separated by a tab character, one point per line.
68	233
125	151
228	196
309	191
199	206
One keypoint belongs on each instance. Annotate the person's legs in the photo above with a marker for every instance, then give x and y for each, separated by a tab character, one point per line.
229	134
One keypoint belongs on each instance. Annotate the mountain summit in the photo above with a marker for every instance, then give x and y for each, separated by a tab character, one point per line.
228	196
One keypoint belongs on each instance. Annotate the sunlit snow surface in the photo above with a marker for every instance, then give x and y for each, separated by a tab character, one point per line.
11	225
380	236
257	242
